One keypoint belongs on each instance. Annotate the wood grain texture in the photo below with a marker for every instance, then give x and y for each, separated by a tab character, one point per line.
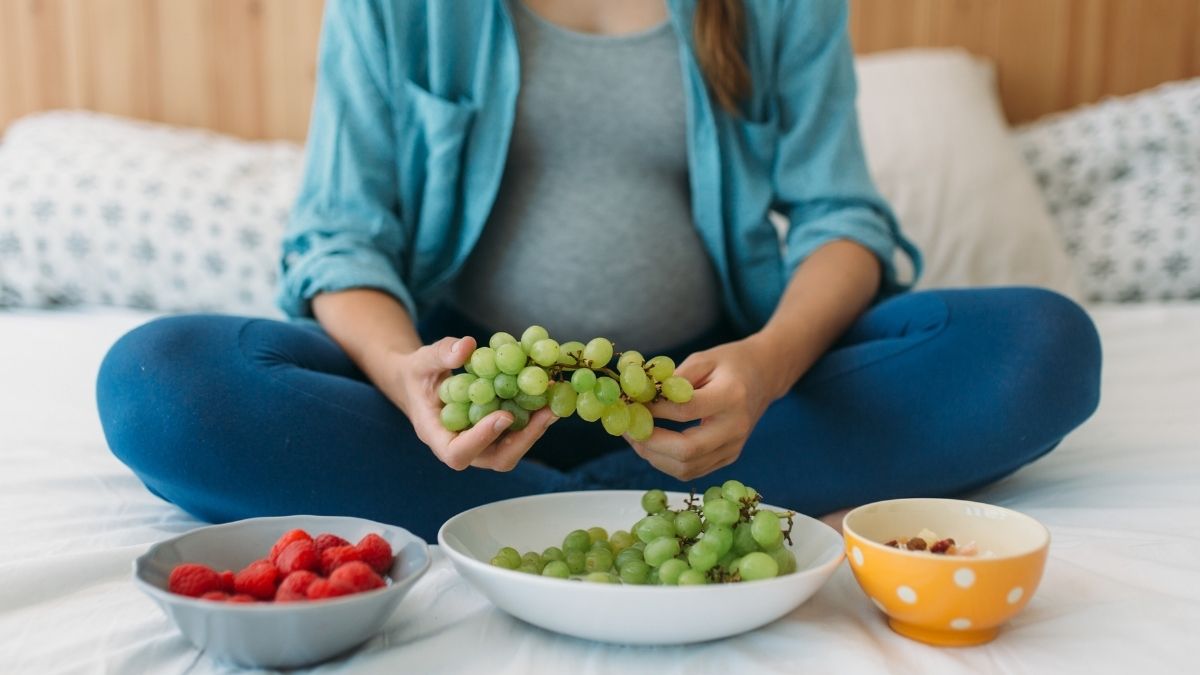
247	67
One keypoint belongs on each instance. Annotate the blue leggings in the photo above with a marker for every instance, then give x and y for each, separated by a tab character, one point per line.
928	394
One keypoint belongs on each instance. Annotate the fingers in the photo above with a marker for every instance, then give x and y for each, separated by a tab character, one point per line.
450	352
463	448
690	445
506	454
685	471
706	402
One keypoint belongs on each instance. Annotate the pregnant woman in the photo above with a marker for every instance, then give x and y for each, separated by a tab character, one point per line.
601	168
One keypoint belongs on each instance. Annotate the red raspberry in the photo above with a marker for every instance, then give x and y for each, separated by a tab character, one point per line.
298	555
323	588
217	596
242	597
257	580
376	552
295	586
227	580
287	538
193	580
326	540
333	558
356	576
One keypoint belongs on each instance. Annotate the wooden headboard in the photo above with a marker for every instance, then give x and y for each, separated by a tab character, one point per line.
246	66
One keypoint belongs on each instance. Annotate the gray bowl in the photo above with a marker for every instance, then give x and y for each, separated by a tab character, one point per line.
269	635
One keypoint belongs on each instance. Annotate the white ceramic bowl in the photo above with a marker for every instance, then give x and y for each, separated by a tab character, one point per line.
269	635
619	613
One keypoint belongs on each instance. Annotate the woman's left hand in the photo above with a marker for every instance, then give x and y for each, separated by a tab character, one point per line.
734	384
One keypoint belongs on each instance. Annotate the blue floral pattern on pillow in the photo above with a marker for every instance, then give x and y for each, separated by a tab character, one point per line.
99	210
1122	180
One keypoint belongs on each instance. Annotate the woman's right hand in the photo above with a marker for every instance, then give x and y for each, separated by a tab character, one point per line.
411	381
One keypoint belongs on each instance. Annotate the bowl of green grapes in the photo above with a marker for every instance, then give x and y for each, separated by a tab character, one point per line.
650	568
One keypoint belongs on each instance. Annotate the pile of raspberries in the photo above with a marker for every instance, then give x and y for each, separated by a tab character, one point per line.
298	568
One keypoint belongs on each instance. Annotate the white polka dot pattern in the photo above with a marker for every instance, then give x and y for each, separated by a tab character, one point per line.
907	594
1014	596
964	577
856	554
960	624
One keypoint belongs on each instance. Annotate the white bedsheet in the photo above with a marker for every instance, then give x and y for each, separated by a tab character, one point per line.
1121	497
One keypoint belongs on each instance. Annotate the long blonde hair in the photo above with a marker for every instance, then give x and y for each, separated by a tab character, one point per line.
719	31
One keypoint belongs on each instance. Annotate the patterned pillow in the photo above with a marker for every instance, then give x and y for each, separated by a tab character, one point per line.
1122	178
102	210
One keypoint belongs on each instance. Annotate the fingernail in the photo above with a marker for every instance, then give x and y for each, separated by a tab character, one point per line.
456	346
502	423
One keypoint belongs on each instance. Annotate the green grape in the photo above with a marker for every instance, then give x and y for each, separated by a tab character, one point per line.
639	544
607	390
635	572
641	422
785	559
598	560
766	530
544	352
661	550
669	571
511	555
712	493
527	568
654	527
616	418
533	380
597	534
729	562
534	559
733	491
505	386
629	358
721	536
501	561
757	565
553	553
456	416
478	411
654	501
483	362
620	541
588	407
568	351
660	367
444	391
501	338
634	381
467	366
687	524
692	578
598	352
599	578
604	545
562	399
627	555
653	579
481	391
677	389
577	540
751	493
557	569
702	556
459	387
721	512
510	359
531	336
530	402
583	380
575	561
743	540
646	395
520	415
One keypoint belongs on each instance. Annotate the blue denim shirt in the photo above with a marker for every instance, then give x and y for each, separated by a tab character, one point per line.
411	123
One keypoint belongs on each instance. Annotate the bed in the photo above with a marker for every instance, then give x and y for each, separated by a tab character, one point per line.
1121	496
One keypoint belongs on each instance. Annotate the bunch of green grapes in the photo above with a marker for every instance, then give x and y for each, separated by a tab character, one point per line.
726	537
526	375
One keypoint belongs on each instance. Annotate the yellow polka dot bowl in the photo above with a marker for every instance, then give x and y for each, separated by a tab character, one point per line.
949	601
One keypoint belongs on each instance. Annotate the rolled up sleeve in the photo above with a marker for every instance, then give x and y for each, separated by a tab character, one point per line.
821	175
344	230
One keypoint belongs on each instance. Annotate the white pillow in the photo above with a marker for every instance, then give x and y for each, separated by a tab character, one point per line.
103	210
939	150
1122	179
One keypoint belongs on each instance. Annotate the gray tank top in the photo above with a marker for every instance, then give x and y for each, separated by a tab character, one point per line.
591	233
